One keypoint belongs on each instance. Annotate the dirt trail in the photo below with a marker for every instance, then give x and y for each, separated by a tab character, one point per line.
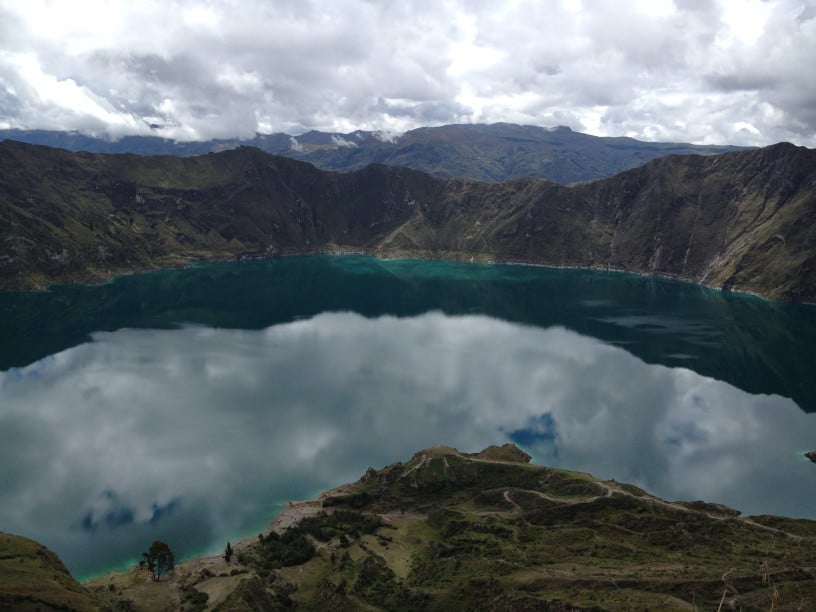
509	500
424	458
609	490
297	511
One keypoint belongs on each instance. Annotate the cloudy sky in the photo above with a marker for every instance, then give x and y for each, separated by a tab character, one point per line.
703	71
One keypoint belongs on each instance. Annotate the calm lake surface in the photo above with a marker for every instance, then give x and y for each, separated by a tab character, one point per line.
187	405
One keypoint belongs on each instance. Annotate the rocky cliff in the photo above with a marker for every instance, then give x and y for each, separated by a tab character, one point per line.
744	220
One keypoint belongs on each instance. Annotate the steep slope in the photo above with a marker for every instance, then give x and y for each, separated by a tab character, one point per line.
33	578
83	216
742	220
452	531
496	152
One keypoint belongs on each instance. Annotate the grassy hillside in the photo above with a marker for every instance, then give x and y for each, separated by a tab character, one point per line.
449	531
32	578
743	220
453	531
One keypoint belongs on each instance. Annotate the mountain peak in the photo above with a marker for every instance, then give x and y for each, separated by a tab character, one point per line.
506	452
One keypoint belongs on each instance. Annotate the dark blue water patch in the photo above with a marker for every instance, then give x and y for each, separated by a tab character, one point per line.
690	433
758	346
539	430
162	511
117	517
113	515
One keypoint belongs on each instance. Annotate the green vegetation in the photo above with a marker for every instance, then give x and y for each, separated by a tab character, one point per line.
33	578
292	548
738	221
450	531
158	560
295	547
447	531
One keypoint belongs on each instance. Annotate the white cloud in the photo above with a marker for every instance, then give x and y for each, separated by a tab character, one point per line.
295	145
682	70
745	21
387	136
98	439
339	141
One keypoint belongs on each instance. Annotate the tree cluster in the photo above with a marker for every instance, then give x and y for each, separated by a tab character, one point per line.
158	560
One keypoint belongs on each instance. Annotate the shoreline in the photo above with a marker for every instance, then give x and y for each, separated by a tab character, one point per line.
290	514
111	277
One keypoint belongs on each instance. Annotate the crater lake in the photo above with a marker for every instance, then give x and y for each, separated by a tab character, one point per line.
188	405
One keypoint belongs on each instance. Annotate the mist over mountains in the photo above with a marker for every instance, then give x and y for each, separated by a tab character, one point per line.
493	153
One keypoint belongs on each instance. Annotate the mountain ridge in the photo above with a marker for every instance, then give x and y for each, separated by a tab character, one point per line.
488	152
741	221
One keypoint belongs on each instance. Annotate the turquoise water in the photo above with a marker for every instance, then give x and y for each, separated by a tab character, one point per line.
758	346
184	404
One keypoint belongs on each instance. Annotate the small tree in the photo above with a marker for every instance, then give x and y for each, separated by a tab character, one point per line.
228	553
159	560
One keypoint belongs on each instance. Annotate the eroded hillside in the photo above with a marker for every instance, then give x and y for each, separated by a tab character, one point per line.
743	220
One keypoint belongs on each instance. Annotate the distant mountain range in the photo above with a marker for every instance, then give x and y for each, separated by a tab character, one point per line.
492	153
744	220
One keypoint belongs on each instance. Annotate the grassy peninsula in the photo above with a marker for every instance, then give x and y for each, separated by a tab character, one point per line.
453	531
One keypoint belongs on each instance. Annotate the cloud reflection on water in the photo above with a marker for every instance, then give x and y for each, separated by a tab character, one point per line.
192	435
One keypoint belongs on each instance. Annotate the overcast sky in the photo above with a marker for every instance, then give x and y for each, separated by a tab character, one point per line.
725	71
